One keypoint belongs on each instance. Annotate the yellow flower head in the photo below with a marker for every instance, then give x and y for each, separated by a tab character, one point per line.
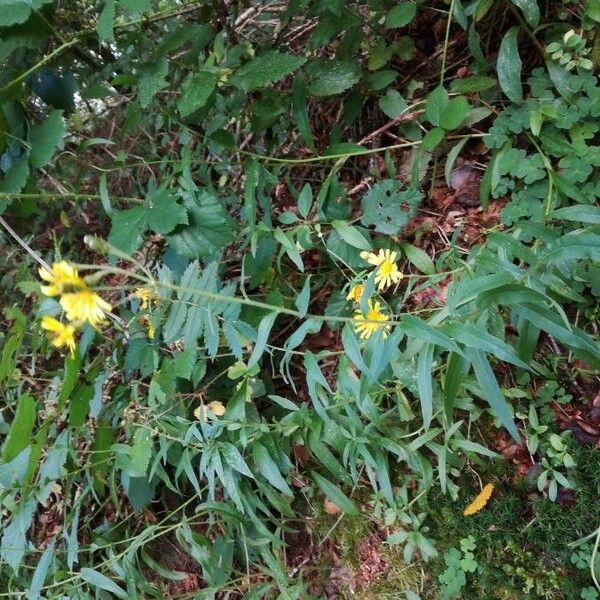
146	295
356	292
364	327
215	407
377	259
61	276
85	305
62	335
387	272
480	500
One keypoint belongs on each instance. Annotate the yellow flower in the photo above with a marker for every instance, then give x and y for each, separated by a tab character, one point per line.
215	407
146	295
356	292
61	276
364	328
480	500
387	274
377	259
62	335
85	305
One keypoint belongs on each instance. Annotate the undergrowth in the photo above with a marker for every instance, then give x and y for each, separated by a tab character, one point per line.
299	299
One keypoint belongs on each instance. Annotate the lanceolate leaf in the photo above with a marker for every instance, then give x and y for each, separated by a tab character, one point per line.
491	390
509	66
336	495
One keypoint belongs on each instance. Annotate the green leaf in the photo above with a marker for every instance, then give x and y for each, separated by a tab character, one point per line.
579	213
45	138
425	384
456	372
264	329
382	206
328	78
473	336
305	200
196	91
14	12
97	580
210	227
509	66
304	297
266	69
415	327
392	104
419	259
164	213
475	83
351	235
451	159
21	428
105	24
41	570
432	139
436	102
336	495
235	459
300	110
136	6
269	469
151	79
290	248
530	10
127	229
454	113
401	15
491	390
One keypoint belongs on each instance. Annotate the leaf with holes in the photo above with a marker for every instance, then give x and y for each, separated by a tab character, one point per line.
389	208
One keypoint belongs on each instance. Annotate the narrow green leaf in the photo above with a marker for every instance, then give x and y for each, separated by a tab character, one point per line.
336	495
300	110
415	327
351	235
425	384
451	159
419	258
269	469
304	297
456	371
21	428
290	248
580	213
235	460
305	200
97	580
491	390
264	329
